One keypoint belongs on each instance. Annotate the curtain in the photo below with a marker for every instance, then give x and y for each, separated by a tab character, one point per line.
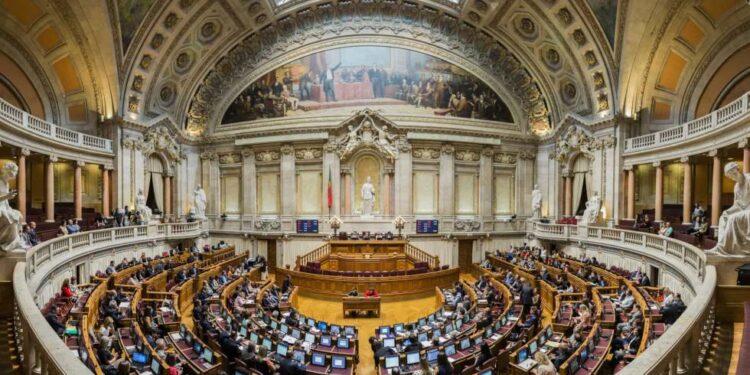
147	185
578	182
158	182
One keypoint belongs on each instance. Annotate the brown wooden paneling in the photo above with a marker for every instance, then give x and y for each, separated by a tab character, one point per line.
465	248
730	301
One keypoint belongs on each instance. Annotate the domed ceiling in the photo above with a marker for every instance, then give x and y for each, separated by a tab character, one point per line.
195	60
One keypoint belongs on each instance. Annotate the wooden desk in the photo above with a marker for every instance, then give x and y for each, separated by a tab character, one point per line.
358	304
366	262
368	246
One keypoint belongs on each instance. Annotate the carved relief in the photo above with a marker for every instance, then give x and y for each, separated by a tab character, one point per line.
254	8
576	140
598	80
170	21
552	58
579	37
526	155
590	58
569	93
505	158
159	139
157	41
267	156
448	149
209	31
184	61
467	225
133	104
287	149
208	155
465	155
308	154
565	16
146	62
426	153
167	94
367	129
230	158
137	83
602	102
267	225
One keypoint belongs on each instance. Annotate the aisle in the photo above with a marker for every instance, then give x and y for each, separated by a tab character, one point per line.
328	309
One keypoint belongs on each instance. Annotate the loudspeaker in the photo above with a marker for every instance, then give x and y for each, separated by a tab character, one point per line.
743	274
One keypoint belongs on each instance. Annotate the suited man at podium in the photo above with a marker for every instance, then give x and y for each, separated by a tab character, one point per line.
353	293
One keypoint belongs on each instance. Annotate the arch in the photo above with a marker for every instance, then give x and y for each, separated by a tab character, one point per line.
459	44
154	171
581	168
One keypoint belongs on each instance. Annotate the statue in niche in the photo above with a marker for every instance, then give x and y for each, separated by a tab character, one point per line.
142	208
199	202
592	209
10	219
536	203
734	224
368	197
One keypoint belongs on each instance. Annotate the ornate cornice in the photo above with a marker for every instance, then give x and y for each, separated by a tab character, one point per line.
398	25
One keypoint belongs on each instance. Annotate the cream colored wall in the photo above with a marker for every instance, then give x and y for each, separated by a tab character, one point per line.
466	193
425	192
268	193
309	186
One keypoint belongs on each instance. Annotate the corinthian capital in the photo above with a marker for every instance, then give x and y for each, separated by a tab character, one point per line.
287	149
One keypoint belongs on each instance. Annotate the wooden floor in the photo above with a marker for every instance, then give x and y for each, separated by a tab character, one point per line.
391	311
736	341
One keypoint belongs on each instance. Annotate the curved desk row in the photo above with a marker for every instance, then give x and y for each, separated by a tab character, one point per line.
386	286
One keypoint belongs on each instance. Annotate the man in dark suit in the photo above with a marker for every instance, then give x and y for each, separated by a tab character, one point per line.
54	320
288	366
327	79
527	296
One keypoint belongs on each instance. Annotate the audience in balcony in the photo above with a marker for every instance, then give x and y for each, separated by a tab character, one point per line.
672	309
54	320
665	229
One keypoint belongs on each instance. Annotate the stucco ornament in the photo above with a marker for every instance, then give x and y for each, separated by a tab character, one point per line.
367	129
467	225
267	225
159	139
573	140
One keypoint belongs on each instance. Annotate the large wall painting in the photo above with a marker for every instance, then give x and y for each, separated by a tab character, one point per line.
368	76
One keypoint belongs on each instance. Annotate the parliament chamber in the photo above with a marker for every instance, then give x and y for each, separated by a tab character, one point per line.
426	187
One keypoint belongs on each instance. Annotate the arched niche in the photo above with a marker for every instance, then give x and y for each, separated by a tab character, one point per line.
155	168
370	163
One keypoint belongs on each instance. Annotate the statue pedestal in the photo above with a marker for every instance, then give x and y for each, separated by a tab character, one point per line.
726	267
7	264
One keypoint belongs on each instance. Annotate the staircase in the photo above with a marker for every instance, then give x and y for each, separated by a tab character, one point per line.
10	359
717	358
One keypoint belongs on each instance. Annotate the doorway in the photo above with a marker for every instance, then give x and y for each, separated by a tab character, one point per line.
271	259
465	252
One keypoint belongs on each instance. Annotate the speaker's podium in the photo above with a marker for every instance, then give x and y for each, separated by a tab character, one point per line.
360	304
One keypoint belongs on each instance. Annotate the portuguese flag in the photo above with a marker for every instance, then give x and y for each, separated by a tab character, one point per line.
330	189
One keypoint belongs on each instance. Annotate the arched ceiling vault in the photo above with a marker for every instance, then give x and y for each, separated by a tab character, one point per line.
673	54
188	58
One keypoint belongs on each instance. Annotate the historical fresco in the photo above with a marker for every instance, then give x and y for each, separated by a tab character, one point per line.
368	76
131	13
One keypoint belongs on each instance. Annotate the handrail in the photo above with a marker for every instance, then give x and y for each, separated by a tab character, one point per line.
677	348
433	261
316	254
30	123
712	121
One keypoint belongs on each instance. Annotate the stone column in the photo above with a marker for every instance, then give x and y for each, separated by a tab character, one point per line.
106	191
631	192
485	183
447	183
568	200
331	169
78	191
249	183
403	179
687	189
745	146
715	188
387	191
49	189
659	192
288	179
210	181
21	180
167	195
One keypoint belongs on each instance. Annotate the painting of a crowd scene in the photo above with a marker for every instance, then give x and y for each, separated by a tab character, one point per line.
368	76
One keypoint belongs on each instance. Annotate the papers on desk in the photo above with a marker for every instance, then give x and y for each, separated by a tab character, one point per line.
124	305
527	364
512	318
289	340
175	336
207	365
165	309
552	344
426	344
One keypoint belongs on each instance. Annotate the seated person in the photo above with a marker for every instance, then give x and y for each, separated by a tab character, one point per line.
353	293
65	290
54	320
371	292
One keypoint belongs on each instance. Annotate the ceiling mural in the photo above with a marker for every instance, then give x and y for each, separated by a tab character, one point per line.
131	13
606	12
406	81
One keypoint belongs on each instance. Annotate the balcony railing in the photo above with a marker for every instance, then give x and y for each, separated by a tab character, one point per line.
717	119
37	126
679	349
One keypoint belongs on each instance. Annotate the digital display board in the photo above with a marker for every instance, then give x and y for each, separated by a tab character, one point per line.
427	226
307	226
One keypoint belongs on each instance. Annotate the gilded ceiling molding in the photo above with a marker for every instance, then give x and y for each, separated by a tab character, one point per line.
398	25
39	76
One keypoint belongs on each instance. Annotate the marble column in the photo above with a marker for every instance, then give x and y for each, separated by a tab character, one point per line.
387	192
631	192
687	189
210	181
485	183
167	195
332	170
21	180
78	191
403	179
745	146
659	192
447	181
249	183
288	179
715	187
568	200
49	189
105	192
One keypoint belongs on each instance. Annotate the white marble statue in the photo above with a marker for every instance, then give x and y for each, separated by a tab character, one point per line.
536	203
10	219
368	197
199	202
592	209
142	208
734	224
384	142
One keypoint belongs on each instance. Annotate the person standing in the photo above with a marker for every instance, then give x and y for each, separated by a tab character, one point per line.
328	77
